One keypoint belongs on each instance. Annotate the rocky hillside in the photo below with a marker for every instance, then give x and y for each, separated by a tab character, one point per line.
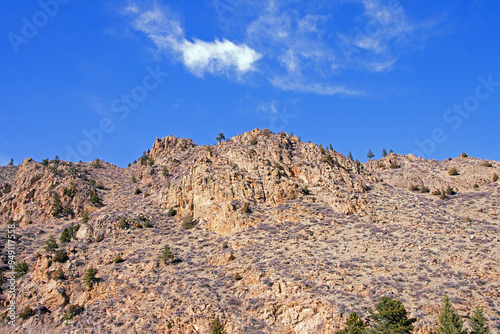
270	234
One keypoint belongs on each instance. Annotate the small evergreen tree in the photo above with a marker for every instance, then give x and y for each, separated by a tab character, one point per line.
50	244
220	137
391	317
164	171
217	327
370	154
384	152
21	269
349	156
478	323
89	279
449	321
85	216
57	207
11	162
355	325
166	255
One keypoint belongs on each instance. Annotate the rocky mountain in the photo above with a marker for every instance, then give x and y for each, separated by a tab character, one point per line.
268	233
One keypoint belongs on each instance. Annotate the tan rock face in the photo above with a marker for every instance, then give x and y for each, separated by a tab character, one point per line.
287	238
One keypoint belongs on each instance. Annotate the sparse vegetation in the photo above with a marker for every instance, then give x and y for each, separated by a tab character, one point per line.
144	158
355	325
73	311
164	172
118	259
151	161
21	269
134	180
384	152
85	216
453	171
57	274
188	222
122	223
220	137
89	279
349	156
50	244
237	277
463	155
468	219
394	165
217	327
370	154
96	164
450	191
253	141
495	177
26	313
487	164
245	208
57	207
166	255
436	192
60	256
413	187
328	159
94	198
137	191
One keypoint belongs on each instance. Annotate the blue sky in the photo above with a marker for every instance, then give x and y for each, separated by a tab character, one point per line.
103	79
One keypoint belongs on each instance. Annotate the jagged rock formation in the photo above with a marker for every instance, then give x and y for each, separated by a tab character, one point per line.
287	237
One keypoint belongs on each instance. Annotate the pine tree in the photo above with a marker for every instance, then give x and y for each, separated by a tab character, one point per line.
478	323
220	137
349	156
217	327
85	216
384	153
370	154
57	207
391	317
355	325
449	321
166	255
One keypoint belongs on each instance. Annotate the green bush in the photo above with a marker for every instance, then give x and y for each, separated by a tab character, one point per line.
164	171
436	192
122	223
118	259
57	274
424	189
26	313
166	255
134	180
390	316
355	325
151	161
463	155
188	222
253	141
495	177
94	199
246	208
57	207
85	216
453	172
478	323
328	159
487	164
394	165
171	212
237	277
89	279
69	233
21	269
96	164
413	187
217	327
137	191
60	256
73	311
450	191
50	244
449	322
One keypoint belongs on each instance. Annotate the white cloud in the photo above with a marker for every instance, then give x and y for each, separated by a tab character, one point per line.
218	57
301	86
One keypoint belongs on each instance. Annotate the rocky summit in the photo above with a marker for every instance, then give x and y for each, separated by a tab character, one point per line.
262	231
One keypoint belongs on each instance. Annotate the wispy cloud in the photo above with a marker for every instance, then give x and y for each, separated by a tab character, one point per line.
217	57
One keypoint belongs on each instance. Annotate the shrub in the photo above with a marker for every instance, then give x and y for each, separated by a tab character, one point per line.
60	256
57	274
468	219
171	212
381	165
57	207
245	208
188	222
166	255
164	171
424	189
151	161
237	277
217	327
21	269
390	316
50	244
73	311
122	223
436	192
137	191
478	323
253	141
495	177
67	210
134	180
94	199
443	195
118	259
96	164
355	325
26	313
85	216
453	172
487	164
357	163
475	186
69	233
328	159
144	158
89	279
449	321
